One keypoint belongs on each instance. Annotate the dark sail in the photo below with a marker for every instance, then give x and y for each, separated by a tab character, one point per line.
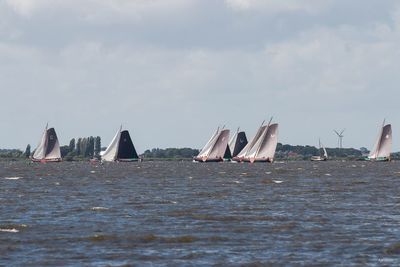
51	140
241	142
126	150
228	154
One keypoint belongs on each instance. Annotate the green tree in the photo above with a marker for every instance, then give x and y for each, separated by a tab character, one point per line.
97	146
90	146
72	145
78	147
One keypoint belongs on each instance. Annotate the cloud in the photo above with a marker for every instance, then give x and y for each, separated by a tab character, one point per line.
175	67
273	6
94	9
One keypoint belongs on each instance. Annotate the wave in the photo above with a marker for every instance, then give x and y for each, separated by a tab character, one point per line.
13	178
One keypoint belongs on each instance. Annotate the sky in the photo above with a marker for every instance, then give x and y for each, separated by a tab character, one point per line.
172	71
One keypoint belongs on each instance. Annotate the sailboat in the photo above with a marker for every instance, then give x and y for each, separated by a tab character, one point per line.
383	144
262	147
48	149
121	148
237	143
216	148
323	156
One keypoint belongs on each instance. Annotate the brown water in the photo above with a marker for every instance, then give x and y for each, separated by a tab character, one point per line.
184	213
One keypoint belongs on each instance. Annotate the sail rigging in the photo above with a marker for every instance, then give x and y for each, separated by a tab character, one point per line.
262	147
216	148
383	144
121	148
49	148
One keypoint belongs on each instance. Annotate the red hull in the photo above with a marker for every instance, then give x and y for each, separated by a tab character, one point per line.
46	160
253	160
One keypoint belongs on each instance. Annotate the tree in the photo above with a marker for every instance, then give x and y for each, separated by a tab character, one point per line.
72	145
78	147
90	147
97	146
27	152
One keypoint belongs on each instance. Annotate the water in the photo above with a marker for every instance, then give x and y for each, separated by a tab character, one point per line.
184	213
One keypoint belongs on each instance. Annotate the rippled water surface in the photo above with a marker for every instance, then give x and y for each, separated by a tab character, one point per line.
184	213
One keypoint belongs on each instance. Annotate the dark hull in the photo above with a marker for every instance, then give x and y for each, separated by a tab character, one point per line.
208	159
253	161
127	160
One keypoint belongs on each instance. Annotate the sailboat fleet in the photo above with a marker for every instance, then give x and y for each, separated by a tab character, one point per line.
219	147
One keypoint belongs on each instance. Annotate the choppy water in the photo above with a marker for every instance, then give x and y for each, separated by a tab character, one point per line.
183	213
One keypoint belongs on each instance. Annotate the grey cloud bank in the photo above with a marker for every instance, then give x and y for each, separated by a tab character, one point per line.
172	71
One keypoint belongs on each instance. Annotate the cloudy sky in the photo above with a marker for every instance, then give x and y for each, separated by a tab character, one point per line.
171	71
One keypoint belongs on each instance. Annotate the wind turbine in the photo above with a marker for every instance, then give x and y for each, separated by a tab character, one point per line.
340	137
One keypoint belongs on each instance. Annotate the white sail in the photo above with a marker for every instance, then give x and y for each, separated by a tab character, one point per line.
325	152
385	147
209	145
112	150
383	144
269	143
252	153
40	151
246	150
219	147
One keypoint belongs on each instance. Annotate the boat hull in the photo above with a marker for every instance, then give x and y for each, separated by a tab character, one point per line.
127	160
201	159
46	160
318	158
380	159
256	160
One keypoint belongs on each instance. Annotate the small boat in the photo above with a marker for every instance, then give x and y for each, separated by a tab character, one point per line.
216	149
323	156
383	145
48	149
262	147
121	148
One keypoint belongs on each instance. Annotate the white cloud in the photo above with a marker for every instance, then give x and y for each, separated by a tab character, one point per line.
189	75
94	9
272	6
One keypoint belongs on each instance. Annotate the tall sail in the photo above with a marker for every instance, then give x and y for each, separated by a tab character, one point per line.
126	149
269	143
208	146
48	148
53	147
238	143
325	152
219	148
112	150
252	153
383	144
215	148
40	151
248	148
